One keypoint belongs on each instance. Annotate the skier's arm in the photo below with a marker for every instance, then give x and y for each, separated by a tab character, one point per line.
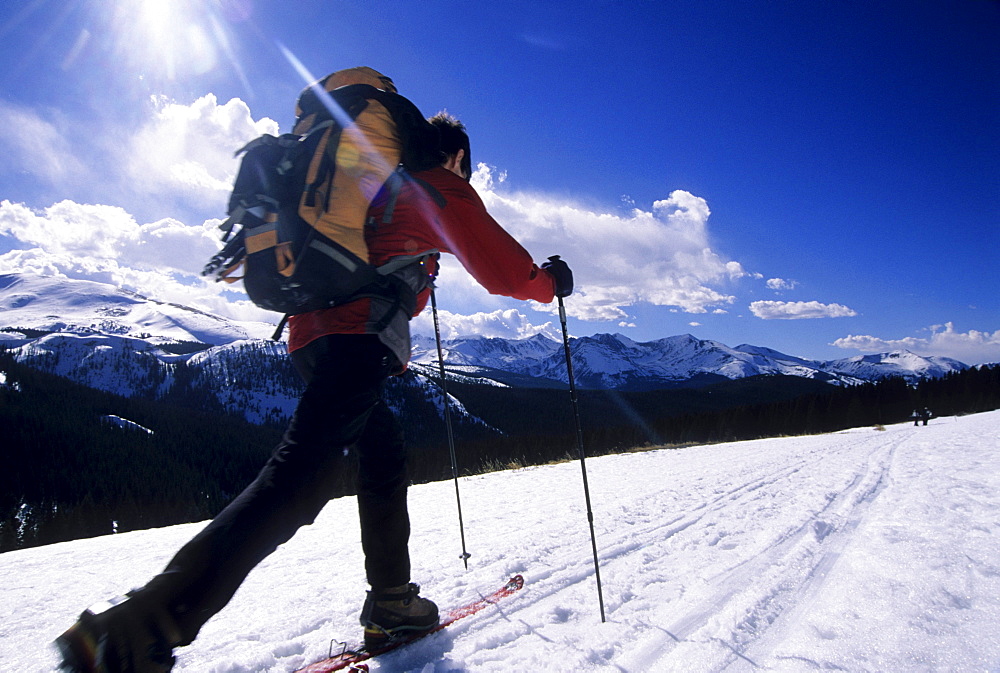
491	255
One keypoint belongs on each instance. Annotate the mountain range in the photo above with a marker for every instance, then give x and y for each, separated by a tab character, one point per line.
614	361
118	341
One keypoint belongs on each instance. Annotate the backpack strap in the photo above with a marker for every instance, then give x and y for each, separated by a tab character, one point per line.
404	297
393	185
281	327
431	190
403	261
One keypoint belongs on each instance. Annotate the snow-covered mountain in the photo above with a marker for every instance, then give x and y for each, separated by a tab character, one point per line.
121	342
896	363
613	361
50	304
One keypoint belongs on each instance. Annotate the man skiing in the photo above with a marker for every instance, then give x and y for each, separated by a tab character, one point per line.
344	354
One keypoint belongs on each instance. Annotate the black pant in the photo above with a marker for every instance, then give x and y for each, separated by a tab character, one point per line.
340	407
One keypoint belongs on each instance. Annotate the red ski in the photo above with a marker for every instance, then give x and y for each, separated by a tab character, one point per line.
351	659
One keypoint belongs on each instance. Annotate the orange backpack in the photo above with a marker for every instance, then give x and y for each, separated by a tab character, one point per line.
297	213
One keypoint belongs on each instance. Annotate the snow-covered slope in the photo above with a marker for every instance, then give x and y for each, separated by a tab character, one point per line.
117	364
863	550
116	341
895	363
61	304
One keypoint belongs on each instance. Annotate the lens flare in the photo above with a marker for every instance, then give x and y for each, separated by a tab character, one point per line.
359	141
166	39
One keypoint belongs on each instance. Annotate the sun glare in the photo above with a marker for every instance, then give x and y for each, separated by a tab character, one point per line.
166	39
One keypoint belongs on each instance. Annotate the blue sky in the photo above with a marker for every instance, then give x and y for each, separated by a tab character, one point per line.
816	177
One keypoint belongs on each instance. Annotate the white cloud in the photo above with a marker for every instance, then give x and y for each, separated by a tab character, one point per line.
544	41
972	347
798	310
38	145
778	284
86	230
161	260
181	158
509	324
108	233
187	150
182	154
662	257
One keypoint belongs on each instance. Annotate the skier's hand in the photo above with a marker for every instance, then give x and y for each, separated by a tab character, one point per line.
562	275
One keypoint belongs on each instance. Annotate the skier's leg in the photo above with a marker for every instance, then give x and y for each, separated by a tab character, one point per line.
382	483
393	607
344	374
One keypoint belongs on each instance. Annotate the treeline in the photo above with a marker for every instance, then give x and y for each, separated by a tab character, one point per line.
69	473
872	404
834	408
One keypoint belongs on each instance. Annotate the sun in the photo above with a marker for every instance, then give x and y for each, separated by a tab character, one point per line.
167	39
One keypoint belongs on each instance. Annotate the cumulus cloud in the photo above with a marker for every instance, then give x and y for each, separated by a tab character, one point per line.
778	284
100	232
161	260
799	310
662	256
67	227
509	324
182	155
972	347
187	150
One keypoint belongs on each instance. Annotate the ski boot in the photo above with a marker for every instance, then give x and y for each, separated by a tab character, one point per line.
397	612
127	634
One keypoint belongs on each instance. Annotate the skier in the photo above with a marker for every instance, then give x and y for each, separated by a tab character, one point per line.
344	354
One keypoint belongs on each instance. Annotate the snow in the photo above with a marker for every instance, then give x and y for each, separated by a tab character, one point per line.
16	387
52	304
121	365
125	424
864	550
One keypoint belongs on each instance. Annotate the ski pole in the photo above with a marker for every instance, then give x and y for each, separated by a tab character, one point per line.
583	456
447	422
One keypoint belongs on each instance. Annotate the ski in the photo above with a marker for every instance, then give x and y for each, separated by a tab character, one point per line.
351	659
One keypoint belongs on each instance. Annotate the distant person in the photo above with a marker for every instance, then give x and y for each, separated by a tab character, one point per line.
344	354
916	416
925	415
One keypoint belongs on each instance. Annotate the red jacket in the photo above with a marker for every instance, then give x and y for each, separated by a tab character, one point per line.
461	227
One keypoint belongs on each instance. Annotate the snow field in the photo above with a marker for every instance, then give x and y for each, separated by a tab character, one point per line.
863	550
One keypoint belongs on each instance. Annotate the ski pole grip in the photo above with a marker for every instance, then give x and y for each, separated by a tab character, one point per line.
561	275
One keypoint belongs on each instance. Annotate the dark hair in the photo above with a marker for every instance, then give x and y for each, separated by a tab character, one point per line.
453	139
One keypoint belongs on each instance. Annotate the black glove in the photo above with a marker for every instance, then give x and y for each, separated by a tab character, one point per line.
562	275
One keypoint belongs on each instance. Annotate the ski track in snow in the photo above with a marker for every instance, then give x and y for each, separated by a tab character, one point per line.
862	550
